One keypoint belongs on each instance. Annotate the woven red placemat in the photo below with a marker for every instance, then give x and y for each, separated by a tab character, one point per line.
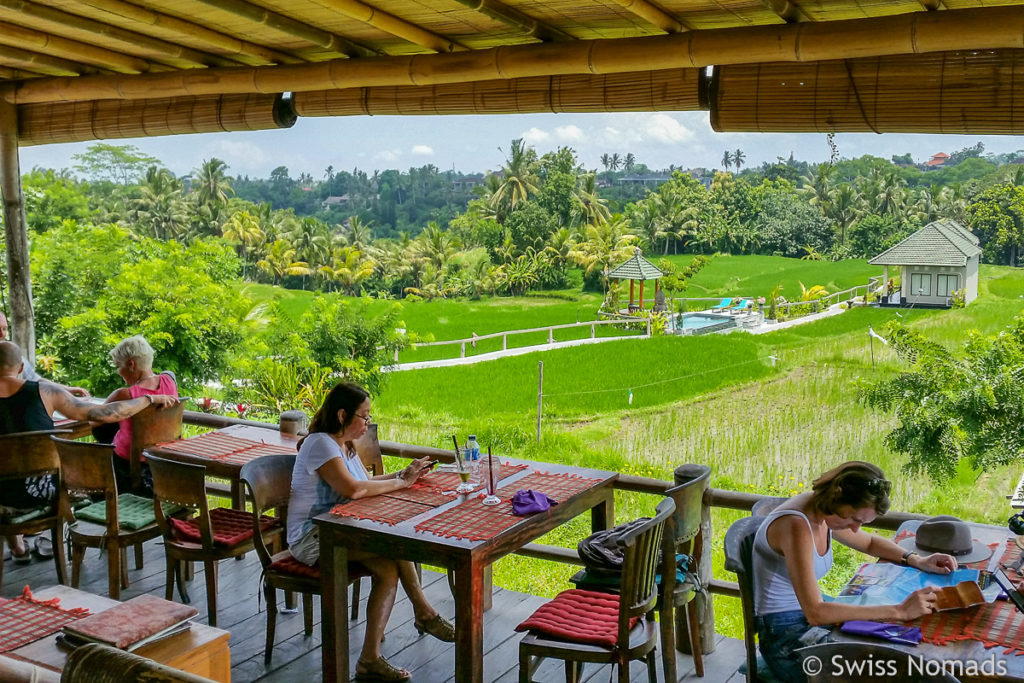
444	481
26	619
380	509
474	521
997	623
209	445
427	496
240	457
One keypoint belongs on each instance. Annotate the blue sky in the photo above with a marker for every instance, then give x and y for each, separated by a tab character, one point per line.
479	143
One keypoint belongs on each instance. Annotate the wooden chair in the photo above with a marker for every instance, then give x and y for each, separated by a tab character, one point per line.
739	550
884	658
89	467
149	427
268	483
682	536
212	536
368	448
636	600
32	454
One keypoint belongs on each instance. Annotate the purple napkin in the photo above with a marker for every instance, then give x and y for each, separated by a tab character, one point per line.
528	501
908	635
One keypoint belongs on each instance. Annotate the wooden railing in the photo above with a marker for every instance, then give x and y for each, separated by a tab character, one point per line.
713	498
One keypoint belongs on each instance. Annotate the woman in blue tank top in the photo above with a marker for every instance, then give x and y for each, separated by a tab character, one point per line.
793	550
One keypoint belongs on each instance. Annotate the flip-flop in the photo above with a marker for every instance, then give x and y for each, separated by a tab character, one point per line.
44	547
24	558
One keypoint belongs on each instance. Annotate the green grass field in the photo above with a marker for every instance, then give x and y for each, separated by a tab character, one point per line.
716	400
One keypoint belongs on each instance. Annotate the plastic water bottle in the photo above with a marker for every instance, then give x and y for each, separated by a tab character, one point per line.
473	458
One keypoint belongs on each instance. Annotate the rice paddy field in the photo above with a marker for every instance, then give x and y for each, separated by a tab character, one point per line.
766	412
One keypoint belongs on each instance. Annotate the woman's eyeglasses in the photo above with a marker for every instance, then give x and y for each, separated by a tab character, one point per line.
365	418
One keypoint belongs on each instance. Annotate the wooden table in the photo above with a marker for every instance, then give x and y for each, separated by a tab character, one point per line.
202	650
467	558
963	650
79	428
227	469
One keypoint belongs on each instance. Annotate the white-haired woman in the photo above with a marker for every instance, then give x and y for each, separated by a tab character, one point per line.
133	358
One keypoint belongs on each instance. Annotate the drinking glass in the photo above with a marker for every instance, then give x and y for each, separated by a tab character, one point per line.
464	469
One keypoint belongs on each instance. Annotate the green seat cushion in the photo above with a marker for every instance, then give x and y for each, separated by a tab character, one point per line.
134	512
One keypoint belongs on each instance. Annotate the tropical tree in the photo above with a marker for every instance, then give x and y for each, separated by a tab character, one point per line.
727	159
738	157
279	261
844	207
211	182
436	245
629	162
349	268
605	245
243	229
614	162
160	208
606	161
589	206
518	179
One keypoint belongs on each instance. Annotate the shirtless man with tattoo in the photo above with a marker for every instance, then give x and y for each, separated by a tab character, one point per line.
28	406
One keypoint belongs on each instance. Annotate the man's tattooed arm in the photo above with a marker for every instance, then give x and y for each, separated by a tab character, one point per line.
58	398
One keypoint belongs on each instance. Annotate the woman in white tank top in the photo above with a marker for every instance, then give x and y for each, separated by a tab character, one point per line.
793	550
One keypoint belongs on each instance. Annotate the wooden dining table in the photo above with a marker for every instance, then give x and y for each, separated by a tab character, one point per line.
970	659
224	451
459	534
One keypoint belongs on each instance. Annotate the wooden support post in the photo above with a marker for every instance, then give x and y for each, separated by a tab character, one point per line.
551	335
504	342
641	295
631	283
705	606
23	324
462	350
593	331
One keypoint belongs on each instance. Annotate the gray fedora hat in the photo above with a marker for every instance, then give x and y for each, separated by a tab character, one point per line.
950	535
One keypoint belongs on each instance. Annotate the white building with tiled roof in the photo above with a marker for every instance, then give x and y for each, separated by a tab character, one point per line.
937	260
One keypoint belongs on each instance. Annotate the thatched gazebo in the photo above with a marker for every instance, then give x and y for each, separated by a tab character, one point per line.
636	269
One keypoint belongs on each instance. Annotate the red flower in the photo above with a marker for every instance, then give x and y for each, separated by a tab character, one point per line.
241	409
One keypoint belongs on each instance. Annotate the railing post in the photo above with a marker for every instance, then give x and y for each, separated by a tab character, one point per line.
504	342
592	332
551	335
462	350
705	606
648	327
292	422
396	355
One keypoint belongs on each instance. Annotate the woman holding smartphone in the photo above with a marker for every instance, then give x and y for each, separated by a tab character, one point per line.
328	471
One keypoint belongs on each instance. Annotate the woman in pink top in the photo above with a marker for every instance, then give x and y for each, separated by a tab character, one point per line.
133	358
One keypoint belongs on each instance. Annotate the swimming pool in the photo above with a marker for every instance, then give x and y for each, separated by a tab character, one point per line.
695	323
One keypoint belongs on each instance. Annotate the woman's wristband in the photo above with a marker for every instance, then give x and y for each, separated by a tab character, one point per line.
905	560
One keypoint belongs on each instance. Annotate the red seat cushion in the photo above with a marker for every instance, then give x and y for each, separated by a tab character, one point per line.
230	527
289	565
581	616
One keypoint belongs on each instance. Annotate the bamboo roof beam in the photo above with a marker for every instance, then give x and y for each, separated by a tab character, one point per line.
931	5
969	29
291	27
242	50
516	19
54	20
788	11
653	15
389	23
14	74
40	63
19	36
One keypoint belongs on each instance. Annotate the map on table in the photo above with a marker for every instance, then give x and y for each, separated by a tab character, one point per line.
890	584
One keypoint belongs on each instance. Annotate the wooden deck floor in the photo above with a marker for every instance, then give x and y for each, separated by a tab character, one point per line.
297	658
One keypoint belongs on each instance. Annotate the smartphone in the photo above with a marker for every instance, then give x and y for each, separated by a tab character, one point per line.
1009	588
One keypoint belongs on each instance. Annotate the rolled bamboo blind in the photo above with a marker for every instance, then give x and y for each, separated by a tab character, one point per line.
668	89
40	124
974	92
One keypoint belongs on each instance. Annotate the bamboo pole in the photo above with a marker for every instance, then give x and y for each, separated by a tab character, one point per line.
34	61
291	27
19	36
653	15
785	10
389	23
988	28
45	18
16	232
250	53
516	19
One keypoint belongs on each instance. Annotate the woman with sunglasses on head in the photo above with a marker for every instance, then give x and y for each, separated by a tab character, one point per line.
793	551
328	471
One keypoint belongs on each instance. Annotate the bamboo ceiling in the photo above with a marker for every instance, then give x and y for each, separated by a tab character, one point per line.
88	69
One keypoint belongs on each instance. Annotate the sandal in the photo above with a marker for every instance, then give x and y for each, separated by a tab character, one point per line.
437	626
44	547
24	558
380	670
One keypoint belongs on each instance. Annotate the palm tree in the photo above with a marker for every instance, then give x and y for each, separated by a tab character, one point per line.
817	186
629	162
436	245
606	161
738	157
280	261
615	162
844	208
604	246
160	205
312	240
212	184
349	267
727	159
359	233
243	229
588	206
518	180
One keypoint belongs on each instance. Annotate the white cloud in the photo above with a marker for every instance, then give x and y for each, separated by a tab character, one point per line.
666	129
240	155
535	136
422	151
388	155
569	133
